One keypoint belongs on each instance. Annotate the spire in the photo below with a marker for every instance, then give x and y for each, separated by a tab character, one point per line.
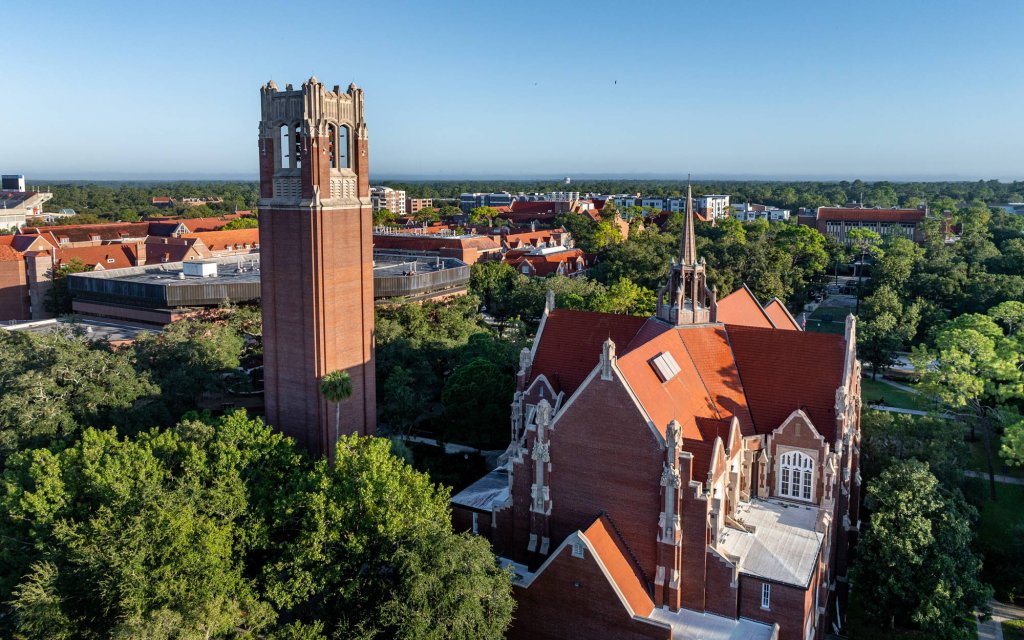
688	243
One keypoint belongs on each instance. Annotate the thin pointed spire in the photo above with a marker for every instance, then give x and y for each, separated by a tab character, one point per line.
688	242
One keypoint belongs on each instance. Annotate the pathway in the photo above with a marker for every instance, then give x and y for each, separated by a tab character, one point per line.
901	387
999	478
992	629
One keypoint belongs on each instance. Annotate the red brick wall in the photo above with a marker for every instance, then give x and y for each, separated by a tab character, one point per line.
605	457
554	608
788	606
14	302
317	298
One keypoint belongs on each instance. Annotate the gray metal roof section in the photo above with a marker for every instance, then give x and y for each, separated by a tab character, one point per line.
783	544
486	492
694	625
93	329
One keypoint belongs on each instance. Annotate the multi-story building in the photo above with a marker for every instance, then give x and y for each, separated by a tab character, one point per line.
746	212
836	222
387	198
470	201
415	205
713	207
17	206
664	480
317	259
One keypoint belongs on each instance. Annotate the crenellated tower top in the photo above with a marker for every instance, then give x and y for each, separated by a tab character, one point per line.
313	145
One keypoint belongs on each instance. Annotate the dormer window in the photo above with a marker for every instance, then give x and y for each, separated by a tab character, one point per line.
796	475
665	366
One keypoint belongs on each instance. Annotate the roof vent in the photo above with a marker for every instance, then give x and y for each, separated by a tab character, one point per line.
665	366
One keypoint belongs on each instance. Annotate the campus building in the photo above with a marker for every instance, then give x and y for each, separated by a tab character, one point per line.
671	477
836	222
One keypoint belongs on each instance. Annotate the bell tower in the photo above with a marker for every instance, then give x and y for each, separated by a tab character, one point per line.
685	298
316	255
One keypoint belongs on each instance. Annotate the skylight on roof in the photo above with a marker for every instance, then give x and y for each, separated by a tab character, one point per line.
665	366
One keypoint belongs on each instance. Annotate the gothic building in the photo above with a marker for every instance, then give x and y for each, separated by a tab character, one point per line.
690	475
316	259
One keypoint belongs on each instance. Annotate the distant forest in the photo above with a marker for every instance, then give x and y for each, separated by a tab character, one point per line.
131	200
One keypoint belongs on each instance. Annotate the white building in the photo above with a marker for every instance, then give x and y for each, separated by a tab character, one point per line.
748	211
387	198
712	207
16	206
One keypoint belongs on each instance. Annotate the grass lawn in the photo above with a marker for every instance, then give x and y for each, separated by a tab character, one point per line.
1013	630
872	391
830	316
999	516
978	460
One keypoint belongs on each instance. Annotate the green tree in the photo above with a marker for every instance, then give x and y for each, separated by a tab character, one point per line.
57	299
369	552
476	401
383	216
247	222
888	438
336	387
188	359
483	215
915	567
54	385
973	370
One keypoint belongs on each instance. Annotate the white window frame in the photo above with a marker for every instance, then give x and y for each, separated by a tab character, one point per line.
796	476
766	596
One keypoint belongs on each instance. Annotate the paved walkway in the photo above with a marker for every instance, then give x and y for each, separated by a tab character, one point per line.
885	407
450	447
901	387
999	478
992	629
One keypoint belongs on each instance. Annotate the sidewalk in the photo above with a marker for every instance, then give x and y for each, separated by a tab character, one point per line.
1001	479
992	629
901	387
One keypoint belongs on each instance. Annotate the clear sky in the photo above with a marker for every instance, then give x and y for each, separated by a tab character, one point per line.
822	88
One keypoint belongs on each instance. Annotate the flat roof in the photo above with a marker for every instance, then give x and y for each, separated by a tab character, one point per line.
784	542
688	624
94	329
486	492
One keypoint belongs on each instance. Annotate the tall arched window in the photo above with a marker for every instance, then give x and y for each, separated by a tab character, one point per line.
297	134
796	475
332	145
285	147
343	147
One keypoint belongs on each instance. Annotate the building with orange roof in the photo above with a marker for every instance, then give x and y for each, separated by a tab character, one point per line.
667	478
835	222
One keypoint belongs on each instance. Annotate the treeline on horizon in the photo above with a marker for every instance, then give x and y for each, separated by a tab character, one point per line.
126	200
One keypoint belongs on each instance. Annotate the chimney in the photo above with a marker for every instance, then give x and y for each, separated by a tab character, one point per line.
140	254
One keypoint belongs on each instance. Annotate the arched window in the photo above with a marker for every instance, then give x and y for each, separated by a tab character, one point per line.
343	161
332	145
297	134
796	475
285	147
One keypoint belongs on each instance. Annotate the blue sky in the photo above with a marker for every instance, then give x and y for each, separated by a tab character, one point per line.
896	89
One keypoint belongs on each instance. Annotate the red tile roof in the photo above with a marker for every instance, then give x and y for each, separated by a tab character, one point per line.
86	232
783	371
870	215
781	316
683	397
235	239
110	256
7	252
197	225
711	353
569	346
741	307
621	569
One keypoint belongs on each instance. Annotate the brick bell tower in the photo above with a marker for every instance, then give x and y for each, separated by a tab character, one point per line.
316	256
